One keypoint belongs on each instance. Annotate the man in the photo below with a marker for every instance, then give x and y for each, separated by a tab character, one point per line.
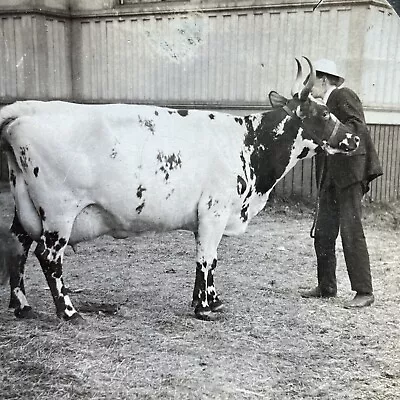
343	180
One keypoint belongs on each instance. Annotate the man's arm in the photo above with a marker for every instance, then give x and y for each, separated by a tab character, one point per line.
347	107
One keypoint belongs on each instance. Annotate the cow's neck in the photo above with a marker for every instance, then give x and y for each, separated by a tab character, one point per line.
274	144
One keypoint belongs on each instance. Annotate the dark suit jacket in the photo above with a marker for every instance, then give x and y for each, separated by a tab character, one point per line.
363	164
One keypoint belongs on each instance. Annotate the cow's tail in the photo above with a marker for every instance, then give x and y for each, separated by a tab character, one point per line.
9	250
4	123
10	113
9	244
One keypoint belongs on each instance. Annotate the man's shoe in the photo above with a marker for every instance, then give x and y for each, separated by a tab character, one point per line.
316	292
360	300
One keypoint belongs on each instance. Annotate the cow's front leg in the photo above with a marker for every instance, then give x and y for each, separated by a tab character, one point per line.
50	252
214	302
204	284
212	218
16	265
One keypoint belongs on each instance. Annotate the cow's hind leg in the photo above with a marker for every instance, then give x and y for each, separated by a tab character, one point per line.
16	267
50	253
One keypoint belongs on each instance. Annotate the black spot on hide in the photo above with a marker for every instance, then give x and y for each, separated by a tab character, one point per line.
139	208
303	153
139	191
212	116
241	185
183	113
169	163
51	238
243	213
61	243
239	120
23	157
36	171
148	123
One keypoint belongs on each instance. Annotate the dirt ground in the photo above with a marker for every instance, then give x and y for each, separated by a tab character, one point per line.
141	340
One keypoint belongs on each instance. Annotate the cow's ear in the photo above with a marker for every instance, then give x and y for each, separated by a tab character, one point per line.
277	100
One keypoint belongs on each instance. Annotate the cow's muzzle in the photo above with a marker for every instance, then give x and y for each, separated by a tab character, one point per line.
340	141
345	146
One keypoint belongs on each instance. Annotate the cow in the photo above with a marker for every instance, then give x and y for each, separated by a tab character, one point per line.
81	171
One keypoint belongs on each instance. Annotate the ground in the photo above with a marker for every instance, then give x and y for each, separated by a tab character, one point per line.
141	340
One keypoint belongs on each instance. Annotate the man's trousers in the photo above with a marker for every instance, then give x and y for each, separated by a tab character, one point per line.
340	209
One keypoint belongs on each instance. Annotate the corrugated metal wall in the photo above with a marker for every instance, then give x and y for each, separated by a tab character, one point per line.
221	57
234	57
380	69
34	57
301	180
230	56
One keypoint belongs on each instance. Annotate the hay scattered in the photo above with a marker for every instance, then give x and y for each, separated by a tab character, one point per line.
269	343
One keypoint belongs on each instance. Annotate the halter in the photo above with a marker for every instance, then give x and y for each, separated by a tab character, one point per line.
319	141
323	146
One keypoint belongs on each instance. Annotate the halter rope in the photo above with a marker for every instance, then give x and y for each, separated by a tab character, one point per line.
322	145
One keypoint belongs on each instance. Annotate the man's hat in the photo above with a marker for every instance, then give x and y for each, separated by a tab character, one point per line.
328	67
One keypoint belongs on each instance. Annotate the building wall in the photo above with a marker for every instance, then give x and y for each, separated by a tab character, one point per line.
206	54
232	53
379	72
35	54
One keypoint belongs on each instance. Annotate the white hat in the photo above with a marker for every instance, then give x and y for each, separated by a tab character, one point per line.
328	67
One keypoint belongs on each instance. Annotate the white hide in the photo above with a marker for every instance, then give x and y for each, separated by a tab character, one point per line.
92	160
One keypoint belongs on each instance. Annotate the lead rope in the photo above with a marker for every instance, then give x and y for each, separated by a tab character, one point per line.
316	211
319	183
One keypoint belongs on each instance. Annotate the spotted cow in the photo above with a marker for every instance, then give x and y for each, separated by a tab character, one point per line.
81	171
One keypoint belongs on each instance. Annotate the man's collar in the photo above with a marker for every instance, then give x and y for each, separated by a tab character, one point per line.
328	93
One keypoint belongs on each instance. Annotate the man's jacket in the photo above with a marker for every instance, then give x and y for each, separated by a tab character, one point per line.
363	164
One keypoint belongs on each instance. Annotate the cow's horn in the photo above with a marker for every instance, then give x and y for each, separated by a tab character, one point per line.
297	83
310	81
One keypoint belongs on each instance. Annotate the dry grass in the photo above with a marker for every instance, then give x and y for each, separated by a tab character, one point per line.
141	341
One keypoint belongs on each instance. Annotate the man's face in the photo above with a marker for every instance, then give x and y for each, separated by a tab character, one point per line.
319	89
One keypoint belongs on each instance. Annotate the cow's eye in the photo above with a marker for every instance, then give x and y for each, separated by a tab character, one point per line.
326	115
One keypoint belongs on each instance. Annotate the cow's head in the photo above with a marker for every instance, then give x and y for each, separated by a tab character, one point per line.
317	123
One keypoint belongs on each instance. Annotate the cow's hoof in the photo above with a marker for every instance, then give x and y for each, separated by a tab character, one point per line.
203	313
216	305
25	313
76	319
